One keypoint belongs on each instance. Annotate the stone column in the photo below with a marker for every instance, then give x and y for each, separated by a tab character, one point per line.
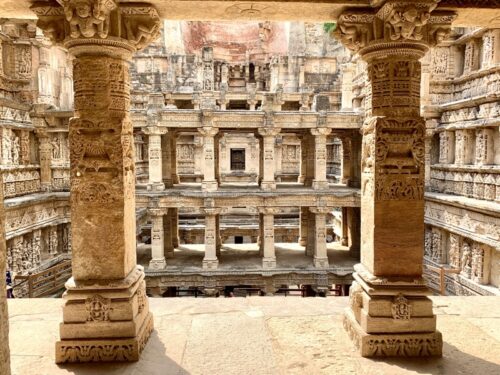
168	242
320	256
390	313
4	321
268	162
210	261
106	315
155	157
446	147
269	256
346	160
209	183
218	239
174	222
320	182
45	153
166	160
355	174
353	230
304	216
344	240
157	240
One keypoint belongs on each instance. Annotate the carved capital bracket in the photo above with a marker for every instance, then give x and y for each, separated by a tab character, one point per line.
80	25
402	27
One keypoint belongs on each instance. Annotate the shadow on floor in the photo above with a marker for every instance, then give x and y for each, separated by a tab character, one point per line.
453	362
153	361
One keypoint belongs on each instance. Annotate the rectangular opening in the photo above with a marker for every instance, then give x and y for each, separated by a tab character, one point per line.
237	159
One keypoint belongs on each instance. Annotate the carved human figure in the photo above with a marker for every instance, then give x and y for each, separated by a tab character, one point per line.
466	260
16	149
477	263
87	18
6	146
56	148
36	248
454	252
407	24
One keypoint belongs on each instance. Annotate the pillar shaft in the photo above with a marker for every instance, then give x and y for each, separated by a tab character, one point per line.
210	260
269	256
168	242
155	157
320	256
304	216
389	314
320	181
269	157
4	321
106	310
209	183
157	241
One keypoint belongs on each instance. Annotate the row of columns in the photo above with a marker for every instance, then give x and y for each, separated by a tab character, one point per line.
313	169
165	236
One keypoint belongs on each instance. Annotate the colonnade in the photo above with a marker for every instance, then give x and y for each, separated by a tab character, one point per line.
106	314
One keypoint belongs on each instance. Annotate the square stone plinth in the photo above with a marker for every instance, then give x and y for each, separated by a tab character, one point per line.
392	345
105	350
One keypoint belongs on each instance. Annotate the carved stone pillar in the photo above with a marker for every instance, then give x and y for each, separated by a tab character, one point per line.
344	240
320	257
4	322
353	230
218	238
209	183
389	313
485	149
446	147
346	160
269	256
157	240
268	162
155	157
464	147
304	217
45	153
106	315
166	160
210	261
320	182
174	222
168	243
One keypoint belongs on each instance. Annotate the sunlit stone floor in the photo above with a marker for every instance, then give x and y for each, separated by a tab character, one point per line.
262	335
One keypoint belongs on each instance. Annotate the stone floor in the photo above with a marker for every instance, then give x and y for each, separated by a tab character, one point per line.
262	335
289	256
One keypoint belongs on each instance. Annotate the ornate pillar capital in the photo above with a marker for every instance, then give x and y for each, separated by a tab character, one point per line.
154	130
208	131
320	210
402	27
269	132
80	25
320	131
269	210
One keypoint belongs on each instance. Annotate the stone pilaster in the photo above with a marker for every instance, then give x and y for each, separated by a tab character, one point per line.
218	238
269	256
306	159
174	222
209	182
353	230
155	134
304	217
320	182
168	242
320	256
157	240
210	261
347	159
389	313
106	315
269	161
45	153
4	321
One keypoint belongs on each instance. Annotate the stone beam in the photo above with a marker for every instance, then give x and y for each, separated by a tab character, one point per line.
106	316
388	299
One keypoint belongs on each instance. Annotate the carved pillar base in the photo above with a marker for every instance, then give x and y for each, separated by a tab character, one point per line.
157	186
209	186
268	263
391	317
320	262
158	264
105	321
320	185
210	264
268	185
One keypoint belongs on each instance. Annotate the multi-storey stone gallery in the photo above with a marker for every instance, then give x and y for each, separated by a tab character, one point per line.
354	153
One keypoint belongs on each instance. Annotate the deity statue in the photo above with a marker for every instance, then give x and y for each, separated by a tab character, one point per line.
16	149
408	24
6	147
87	19
56	148
466	260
